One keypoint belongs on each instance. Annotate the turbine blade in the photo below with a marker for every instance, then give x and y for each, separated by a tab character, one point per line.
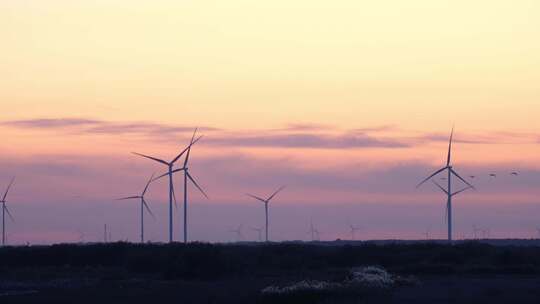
256	197
440	187
9	187
462	190
166	174
148	184
189	149
197	185
432	175
185	150
128	198
275	193
9	214
148	208
462	179
450	148
152	158
174	199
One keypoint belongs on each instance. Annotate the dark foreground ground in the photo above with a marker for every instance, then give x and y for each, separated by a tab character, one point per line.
201	273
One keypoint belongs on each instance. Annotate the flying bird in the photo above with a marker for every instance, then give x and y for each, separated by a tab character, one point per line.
514	173
472	176
493	175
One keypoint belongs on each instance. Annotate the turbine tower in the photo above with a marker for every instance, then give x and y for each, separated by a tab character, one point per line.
354	229
6	210
266	202
143	205
187	177
170	166
448	191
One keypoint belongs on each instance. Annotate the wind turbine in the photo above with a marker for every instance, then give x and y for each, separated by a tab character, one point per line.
238	232
266	202
170	166
187	176
354	229
259	231
312	231
448	191
6	210
476	231
143	205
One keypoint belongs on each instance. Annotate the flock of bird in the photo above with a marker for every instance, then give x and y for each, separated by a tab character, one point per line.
189	179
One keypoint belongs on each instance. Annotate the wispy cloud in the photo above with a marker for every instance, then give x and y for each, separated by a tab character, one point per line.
95	126
307	140
294	136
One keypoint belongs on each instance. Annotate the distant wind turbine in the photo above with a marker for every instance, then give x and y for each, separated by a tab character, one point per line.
170	166
187	176
450	170
6	210
427	233
353	229
238	232
266	202
144	205
259	231
312	231
476	230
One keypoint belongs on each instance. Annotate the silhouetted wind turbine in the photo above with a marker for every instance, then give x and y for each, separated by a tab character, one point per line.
143	205
170	166
266	202
6	210
448	191
187	176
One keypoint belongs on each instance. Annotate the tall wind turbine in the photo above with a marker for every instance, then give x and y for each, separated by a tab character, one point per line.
170	166
187	177
266	202
451	172
143	205
6	210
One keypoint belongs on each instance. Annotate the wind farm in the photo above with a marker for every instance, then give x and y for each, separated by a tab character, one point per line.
376	152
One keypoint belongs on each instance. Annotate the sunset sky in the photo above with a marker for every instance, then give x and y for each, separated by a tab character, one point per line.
348	103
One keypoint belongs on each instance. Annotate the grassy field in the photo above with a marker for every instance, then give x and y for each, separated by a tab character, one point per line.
204	273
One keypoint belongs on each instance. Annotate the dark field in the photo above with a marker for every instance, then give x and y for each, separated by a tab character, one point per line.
202	273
